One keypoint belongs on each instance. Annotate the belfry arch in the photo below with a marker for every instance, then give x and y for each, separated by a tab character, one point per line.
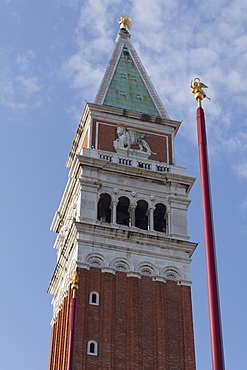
159	216
123	215
141	214
104	208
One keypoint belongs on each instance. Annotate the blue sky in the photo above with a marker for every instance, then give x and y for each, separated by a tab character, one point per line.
53	55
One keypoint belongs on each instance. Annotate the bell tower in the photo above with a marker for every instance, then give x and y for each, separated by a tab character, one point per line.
122	229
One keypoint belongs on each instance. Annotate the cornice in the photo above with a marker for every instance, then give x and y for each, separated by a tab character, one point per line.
165	178
149	119
152	239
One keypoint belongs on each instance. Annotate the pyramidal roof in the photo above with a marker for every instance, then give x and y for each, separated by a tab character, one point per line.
126	83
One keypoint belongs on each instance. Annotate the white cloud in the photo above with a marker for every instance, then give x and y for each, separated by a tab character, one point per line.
241	169
23	60
237	142
75	113
82	74
28	85
96	16
19	86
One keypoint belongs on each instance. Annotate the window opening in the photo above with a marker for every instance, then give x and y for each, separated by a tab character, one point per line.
141	217
123	216
104	210
92	348
94	298
160	217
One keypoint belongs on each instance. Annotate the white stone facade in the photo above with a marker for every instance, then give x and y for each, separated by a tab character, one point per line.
84	241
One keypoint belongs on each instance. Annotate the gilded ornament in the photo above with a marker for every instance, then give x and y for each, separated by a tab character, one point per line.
125	22
197	86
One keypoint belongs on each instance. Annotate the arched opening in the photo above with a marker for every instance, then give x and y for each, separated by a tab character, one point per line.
94	298
92	348
104	208
141	217
160	217
123	216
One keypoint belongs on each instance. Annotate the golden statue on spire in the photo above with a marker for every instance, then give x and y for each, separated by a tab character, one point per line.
197	86
123	22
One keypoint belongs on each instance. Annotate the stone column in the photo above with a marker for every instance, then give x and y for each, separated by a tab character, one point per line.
132	214
168	223
151	219
114	212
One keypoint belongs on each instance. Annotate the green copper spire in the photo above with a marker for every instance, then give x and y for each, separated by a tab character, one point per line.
127	89
126	84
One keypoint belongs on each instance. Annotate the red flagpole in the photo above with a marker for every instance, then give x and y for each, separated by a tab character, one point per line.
72	318
213	294
71	334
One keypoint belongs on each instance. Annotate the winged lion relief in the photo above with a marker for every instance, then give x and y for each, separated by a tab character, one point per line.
130	137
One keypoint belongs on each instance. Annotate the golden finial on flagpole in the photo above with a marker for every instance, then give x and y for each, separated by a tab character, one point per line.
74	284
200	94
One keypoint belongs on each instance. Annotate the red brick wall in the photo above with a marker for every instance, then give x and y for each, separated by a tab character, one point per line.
106	134
59	338
139	324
